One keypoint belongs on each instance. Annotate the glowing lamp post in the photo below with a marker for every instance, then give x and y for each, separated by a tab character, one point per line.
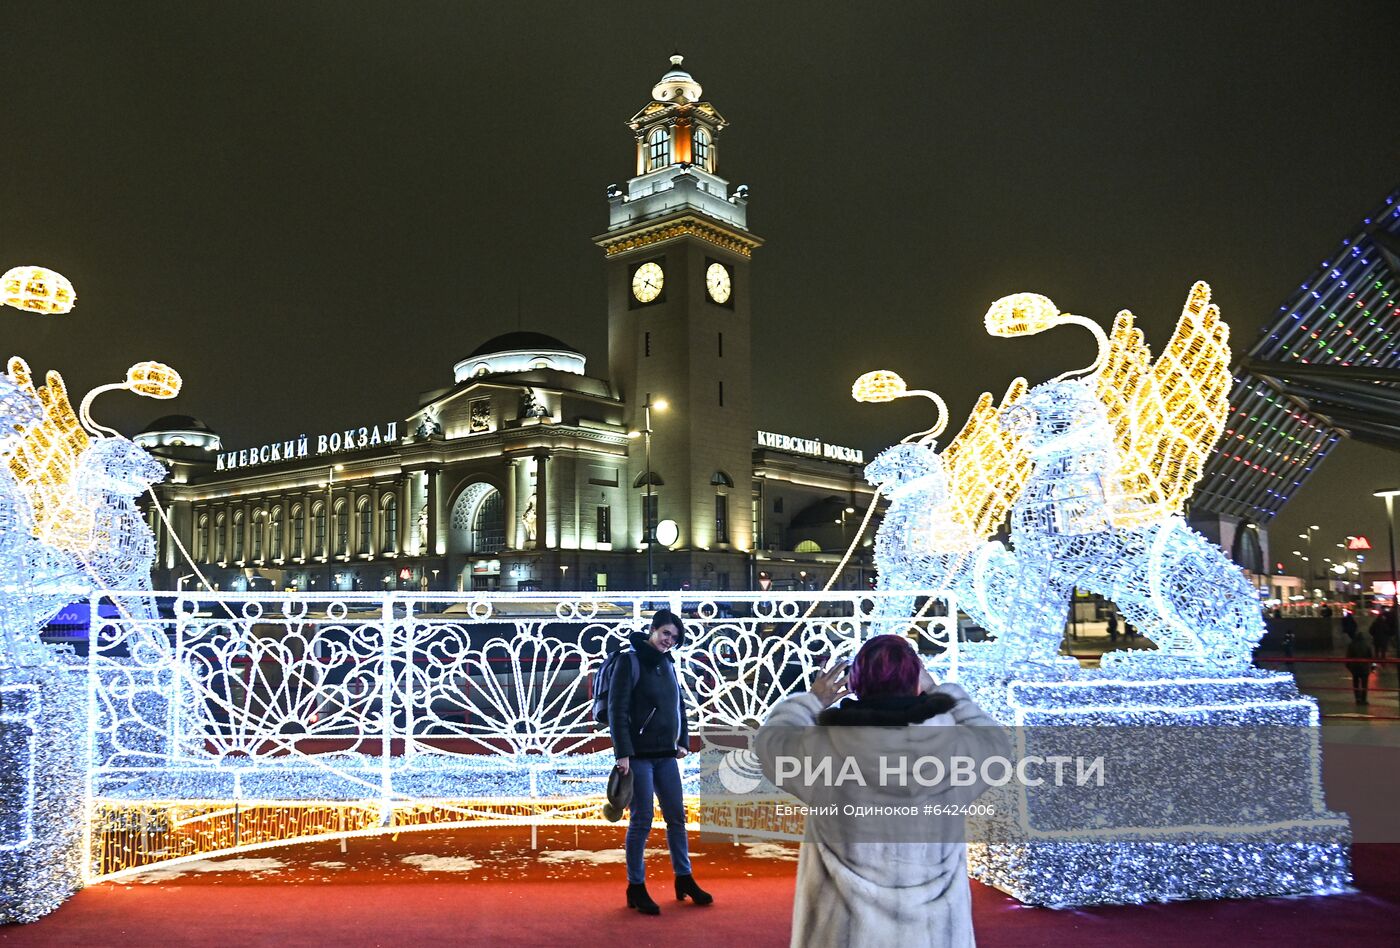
647	518
1312	570
1389	497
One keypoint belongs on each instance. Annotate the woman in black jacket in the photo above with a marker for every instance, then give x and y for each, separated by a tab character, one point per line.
646	717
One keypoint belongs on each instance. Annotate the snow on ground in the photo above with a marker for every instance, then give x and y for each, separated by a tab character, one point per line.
595	857
767	850
257	866
431	863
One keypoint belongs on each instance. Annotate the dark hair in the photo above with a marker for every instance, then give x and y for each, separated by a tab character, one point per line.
885	665
667	617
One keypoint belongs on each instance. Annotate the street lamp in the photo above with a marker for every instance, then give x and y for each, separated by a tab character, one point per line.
647	518
1308	536
1389	497
330	487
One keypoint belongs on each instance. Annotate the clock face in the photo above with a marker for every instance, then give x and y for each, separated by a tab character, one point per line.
647	282
717	283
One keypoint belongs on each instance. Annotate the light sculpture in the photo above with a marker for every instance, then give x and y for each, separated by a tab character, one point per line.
1053	457
1093	468
37	290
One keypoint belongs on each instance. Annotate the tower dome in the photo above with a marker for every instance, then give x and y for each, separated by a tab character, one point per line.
677	85
519	352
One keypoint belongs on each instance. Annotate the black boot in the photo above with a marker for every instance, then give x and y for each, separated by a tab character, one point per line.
639	899
685	885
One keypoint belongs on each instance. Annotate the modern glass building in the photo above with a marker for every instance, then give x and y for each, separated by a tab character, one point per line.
1327	366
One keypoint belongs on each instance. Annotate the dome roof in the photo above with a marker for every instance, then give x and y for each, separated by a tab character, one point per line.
176	423
676	85
518	341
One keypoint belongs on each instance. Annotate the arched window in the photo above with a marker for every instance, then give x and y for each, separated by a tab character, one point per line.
220	538
341	541
390	534
318	528
201	539
721	479
659	149
298	532
274	534
489	526
808	546
703	151
366	518
259	519
238	536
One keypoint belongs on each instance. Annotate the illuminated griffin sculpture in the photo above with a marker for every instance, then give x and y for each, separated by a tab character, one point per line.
67	503
1113	453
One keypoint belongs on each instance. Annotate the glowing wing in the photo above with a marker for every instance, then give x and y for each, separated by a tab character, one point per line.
45	460
986	466
1166	415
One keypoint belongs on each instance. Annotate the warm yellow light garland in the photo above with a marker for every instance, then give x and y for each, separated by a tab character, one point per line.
1166	415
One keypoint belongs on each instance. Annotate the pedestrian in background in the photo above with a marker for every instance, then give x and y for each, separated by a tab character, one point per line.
1383	632
1359	648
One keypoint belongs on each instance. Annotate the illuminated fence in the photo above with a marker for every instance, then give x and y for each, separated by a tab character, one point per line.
245	719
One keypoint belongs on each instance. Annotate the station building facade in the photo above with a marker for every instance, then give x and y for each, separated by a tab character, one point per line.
528	472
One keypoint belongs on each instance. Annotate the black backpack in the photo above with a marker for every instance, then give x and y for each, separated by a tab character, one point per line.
603	681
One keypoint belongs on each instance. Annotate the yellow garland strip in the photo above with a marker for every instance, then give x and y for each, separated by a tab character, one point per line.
45	460
986	466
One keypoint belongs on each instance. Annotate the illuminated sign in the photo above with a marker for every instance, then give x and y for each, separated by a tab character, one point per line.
812	447
1358	543
351	439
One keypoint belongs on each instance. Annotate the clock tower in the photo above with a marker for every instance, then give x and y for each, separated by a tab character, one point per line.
678	250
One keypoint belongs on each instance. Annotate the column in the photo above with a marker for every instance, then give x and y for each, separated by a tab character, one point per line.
511	515
542	501
376	522
433	513
405	512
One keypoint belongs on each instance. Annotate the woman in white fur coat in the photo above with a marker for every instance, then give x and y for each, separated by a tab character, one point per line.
869	892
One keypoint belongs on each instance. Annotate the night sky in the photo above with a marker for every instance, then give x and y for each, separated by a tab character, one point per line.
312	210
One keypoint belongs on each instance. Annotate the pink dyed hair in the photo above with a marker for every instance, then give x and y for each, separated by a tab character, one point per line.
885	665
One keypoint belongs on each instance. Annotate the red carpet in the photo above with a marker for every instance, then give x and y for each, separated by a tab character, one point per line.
494	891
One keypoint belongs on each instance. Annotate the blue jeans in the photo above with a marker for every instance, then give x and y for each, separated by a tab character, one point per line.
662	778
